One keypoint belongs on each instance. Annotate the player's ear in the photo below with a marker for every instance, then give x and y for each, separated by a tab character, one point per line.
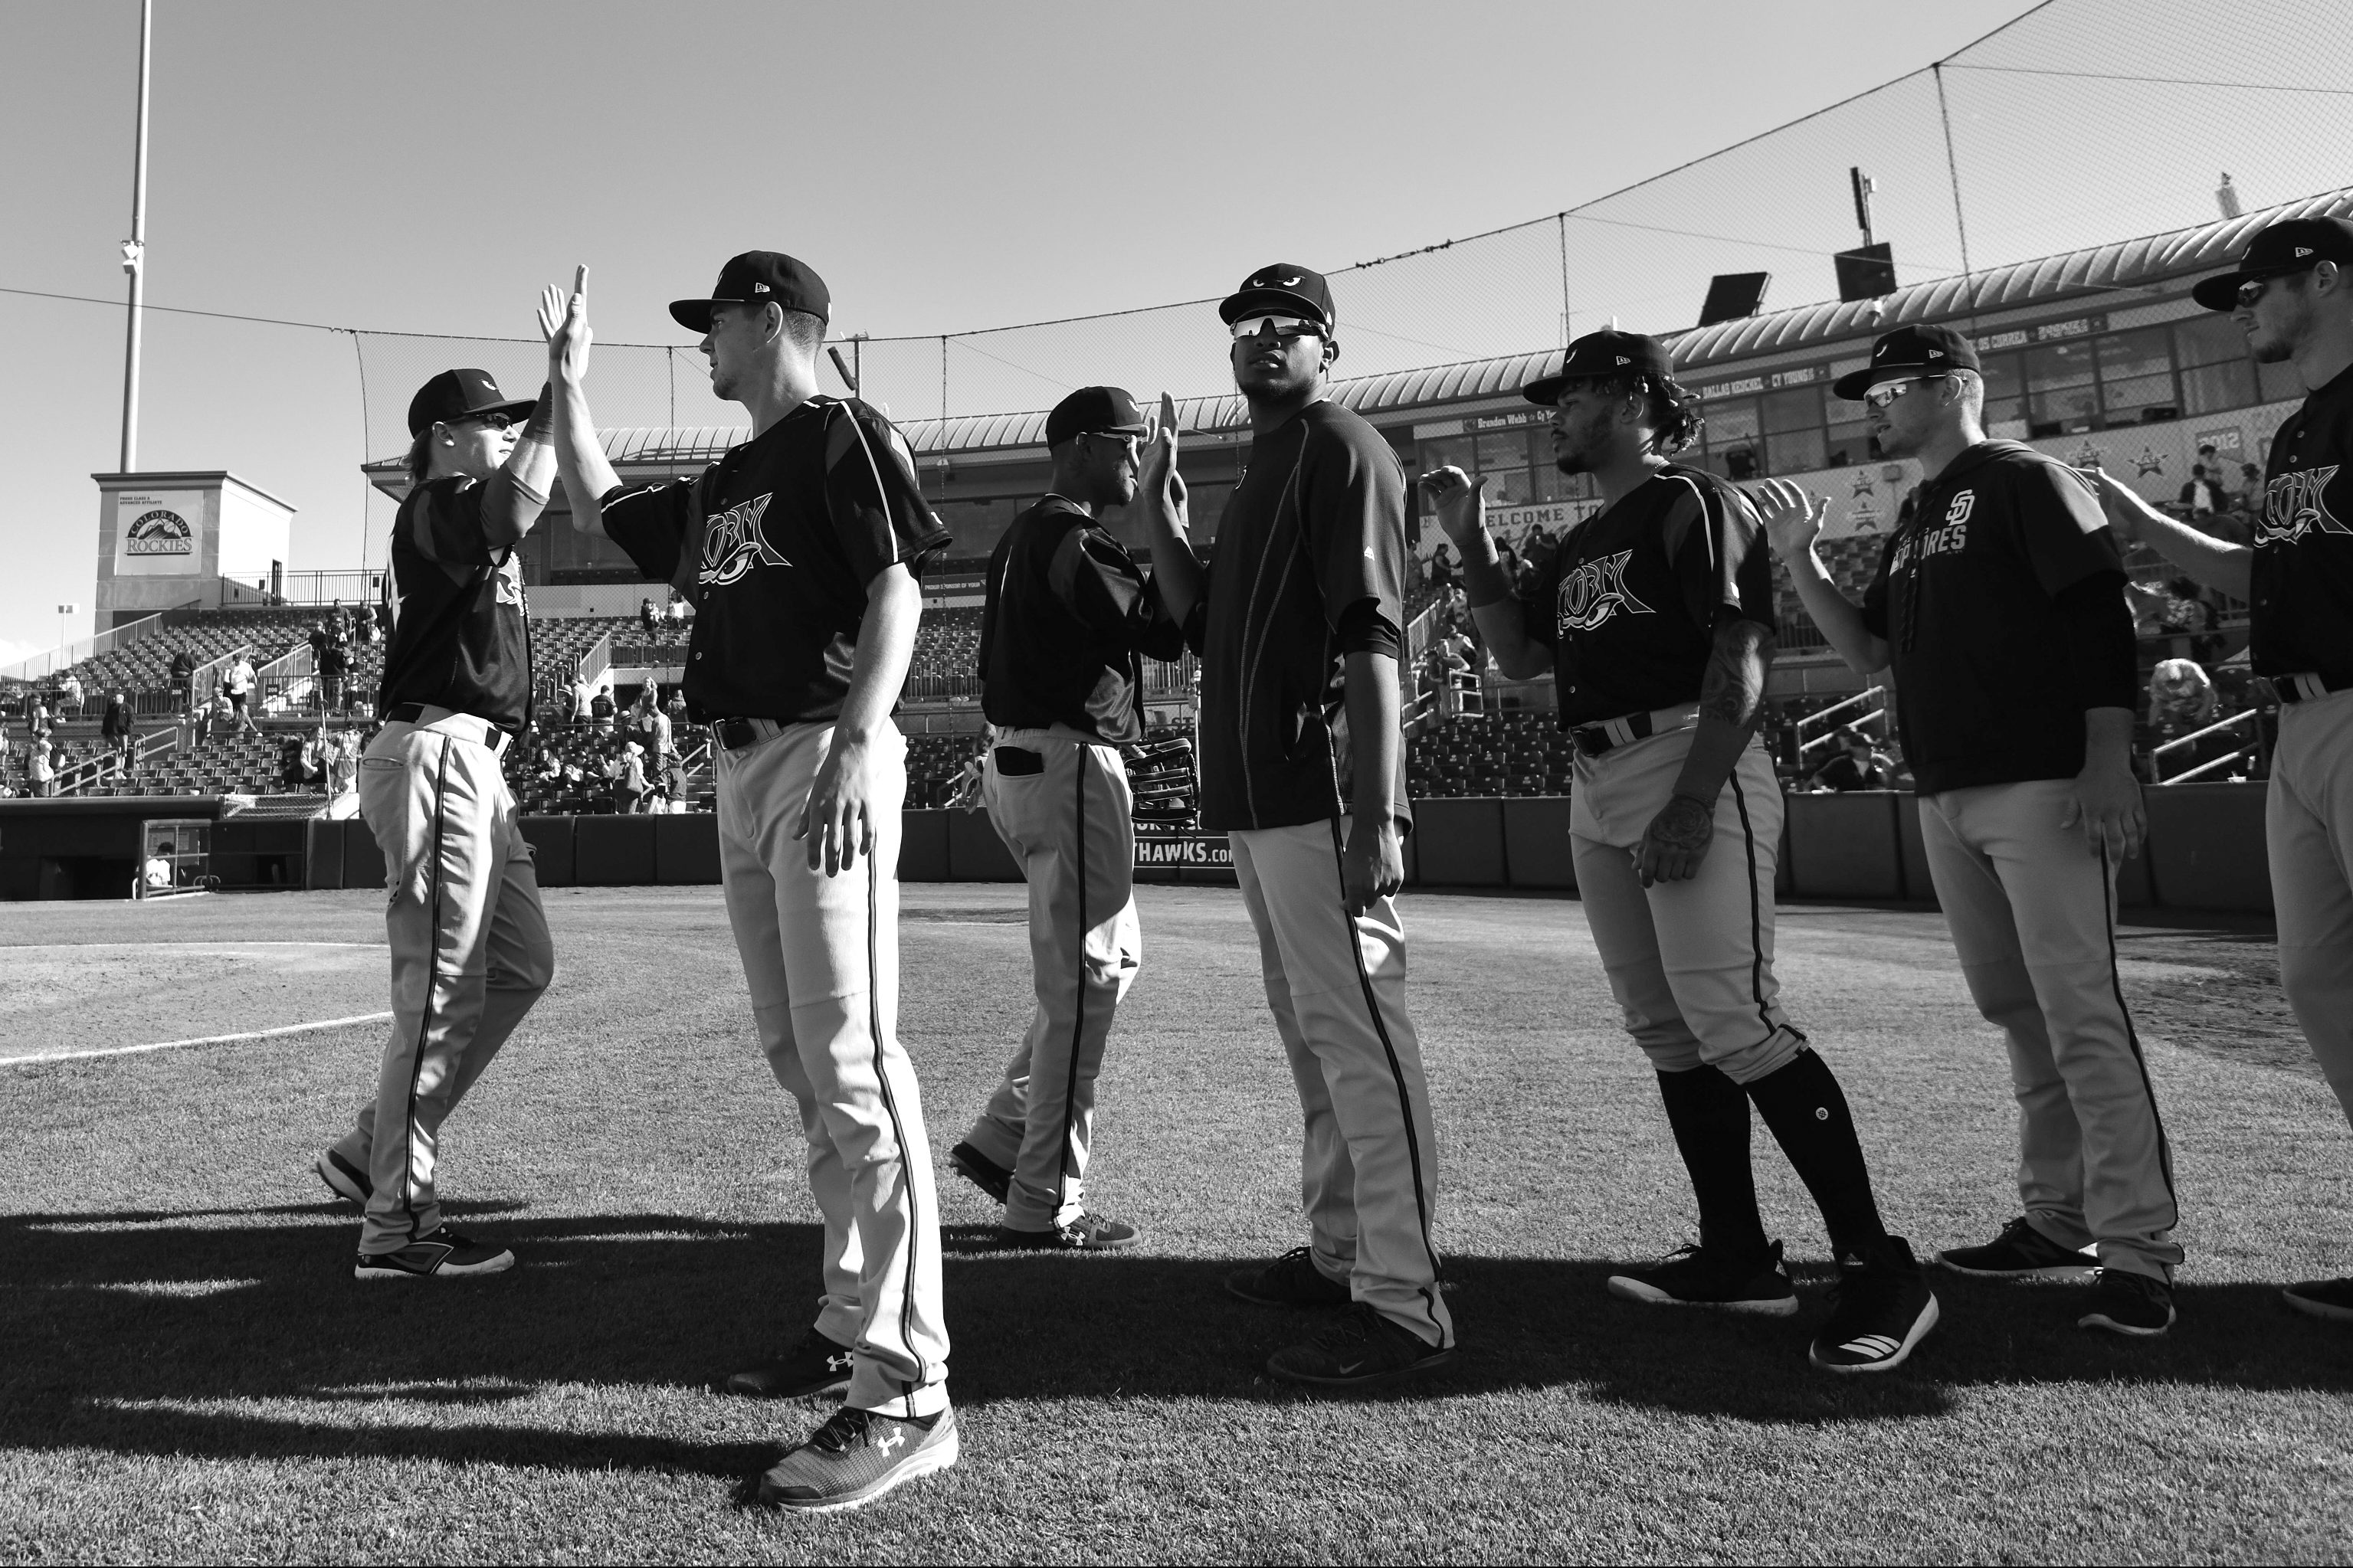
1331	352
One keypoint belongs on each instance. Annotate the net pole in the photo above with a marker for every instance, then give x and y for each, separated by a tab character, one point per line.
1953	174
1560	221
360	360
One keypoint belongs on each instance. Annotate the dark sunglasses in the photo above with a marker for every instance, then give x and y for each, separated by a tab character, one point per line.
493	421
2254	289
1287	329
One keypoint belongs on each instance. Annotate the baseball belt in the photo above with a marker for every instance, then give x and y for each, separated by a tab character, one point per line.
2306	686
1593	740
481	731
737	733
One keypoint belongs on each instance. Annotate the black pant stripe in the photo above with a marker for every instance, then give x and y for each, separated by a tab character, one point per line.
1078	1012
1397	1077
432	985
1756	905
898	1128
2132	1036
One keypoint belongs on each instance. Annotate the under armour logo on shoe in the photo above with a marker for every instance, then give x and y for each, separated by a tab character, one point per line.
837	1362
898	1435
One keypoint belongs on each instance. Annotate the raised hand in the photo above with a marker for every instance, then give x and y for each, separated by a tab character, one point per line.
563	321
1159	484
1792	519
1456	500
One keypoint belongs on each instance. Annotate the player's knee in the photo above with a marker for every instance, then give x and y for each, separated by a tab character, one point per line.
1680	1055
531	969
1760	1058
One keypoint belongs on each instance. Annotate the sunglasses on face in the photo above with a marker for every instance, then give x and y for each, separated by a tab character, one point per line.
492	421
1887	392
1129	442
1286	328
2254	289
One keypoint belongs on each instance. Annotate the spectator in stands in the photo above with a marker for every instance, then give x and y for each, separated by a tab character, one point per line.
673	777
38	721
629	785
2193	619
238	684
41	759
1441	570
600	708
2200	496
334	669
550	767
2180	697
677	613
293	772
317	753
660	735
69	695
1853	765
183	677
343	764
649	618
317	641
676	709
217	716
118	730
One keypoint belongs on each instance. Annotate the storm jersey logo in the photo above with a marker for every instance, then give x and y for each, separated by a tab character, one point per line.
2294	506
1595	591
733	545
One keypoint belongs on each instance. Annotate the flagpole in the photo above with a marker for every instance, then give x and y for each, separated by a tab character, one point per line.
134	254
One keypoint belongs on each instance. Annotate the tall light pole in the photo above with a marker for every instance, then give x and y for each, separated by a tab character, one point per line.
134	253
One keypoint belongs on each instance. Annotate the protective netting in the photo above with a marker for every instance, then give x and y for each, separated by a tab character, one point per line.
1996	153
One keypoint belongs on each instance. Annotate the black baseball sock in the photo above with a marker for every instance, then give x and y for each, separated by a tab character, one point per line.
1710	1116
1807	1111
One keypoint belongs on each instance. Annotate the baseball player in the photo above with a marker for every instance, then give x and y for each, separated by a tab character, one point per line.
1999	608
800	549
1655	617
2292	293
1066	619
469	947
1300	619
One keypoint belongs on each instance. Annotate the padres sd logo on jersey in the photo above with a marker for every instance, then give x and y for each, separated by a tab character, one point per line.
1947	536
1595	591
2293	507
732	544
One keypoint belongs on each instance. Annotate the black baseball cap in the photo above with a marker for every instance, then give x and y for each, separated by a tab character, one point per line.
1602	353
1906	353
1095	410
2289	245
457	394
1281	286
758	278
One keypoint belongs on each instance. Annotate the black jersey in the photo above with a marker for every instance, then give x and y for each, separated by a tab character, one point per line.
1967	597
1309	567
775	545
1067	617
2301	615
460	636
1631	600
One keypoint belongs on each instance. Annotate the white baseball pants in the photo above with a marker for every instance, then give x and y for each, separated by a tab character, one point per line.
821	960
470	952
1069	826
2308	821
1368	1164
1690	962
2033	918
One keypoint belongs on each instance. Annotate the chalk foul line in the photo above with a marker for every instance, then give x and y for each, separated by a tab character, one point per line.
206	1040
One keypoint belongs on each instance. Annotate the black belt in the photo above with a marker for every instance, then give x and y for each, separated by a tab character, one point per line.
1593	740
2302	686
735	734
414	712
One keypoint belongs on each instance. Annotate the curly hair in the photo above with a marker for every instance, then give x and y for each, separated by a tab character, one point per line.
1671	408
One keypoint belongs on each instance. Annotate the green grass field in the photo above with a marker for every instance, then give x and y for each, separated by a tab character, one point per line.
187	1370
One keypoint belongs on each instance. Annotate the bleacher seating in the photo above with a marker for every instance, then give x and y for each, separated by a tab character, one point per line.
1489	755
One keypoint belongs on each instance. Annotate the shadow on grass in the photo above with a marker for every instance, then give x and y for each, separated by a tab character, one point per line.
179	1334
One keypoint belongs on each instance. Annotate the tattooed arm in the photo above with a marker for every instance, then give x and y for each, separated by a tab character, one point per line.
1730	695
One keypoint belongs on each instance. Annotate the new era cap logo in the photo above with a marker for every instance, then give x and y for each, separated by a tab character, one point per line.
1621	359
759	287
2304	250
1936	354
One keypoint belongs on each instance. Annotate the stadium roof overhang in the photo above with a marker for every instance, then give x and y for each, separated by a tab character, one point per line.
2154	264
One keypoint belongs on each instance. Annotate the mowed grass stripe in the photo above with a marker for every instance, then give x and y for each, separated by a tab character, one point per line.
192	1374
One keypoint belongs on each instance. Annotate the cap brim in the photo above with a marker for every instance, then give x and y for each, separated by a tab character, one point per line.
2220	293
694	315
1545	390
518	412
1237	306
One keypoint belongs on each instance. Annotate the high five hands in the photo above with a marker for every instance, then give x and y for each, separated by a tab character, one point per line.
1792	519
563	321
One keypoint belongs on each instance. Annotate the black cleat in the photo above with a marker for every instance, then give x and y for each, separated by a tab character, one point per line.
1291	1280
1087	1233
981	1171
2329	1299
2020	1252
1880	1309
2135	1305
857	1456
1359	1349
444	1254
818	1365
1691	1277
345	1180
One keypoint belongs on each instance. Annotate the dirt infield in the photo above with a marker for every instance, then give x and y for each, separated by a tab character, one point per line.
191	1373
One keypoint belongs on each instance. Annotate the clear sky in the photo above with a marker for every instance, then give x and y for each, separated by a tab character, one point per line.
427	167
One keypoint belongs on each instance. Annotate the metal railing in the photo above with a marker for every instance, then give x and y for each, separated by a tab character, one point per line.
86	775
1867	694
2156	753
41	666
590	666
287	681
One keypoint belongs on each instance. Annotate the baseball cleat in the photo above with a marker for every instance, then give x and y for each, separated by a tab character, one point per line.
345	1180
857	1456
1087	1233
2020	1252
1359	1349
1881	1308
1291	1280
2136	1305
1690	1276
981	1171
2329	1299
444	1252
818	1365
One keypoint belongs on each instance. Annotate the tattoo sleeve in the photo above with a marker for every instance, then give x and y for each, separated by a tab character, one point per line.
1732	689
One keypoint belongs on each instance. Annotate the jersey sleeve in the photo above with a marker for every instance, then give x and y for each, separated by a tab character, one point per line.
650	522
442	521
2061	528
1722	558
1352	505
1874	598
1104	590
870	493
